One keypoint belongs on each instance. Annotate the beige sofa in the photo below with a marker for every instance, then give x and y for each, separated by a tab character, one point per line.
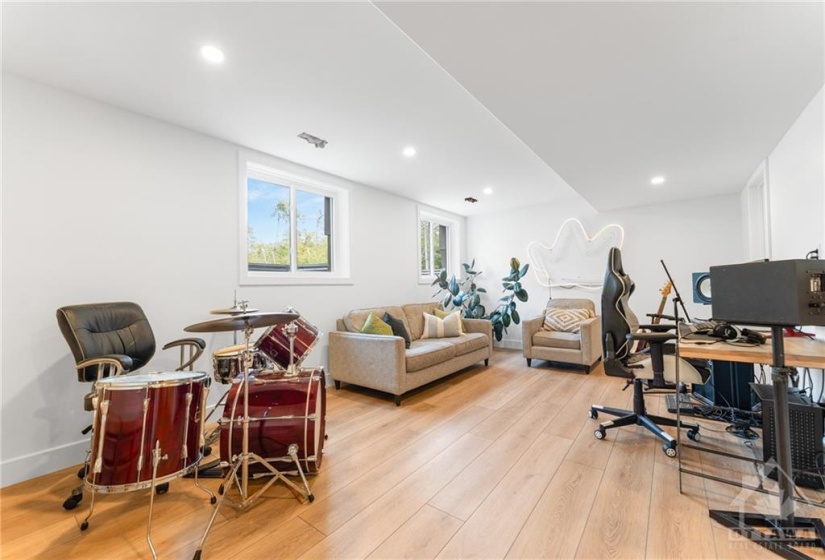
382	362
583	348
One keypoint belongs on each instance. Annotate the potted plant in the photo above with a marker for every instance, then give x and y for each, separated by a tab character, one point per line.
505	313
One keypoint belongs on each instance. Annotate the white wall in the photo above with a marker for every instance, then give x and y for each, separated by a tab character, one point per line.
796	183
104	205
689	236
796	179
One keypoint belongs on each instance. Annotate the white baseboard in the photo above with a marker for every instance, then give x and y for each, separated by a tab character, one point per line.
510	344
43	462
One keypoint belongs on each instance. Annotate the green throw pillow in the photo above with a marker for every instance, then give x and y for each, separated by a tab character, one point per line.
374	325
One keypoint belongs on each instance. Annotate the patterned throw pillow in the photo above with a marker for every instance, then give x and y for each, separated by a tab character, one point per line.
444	314
565	320
375	325
442	328
398	328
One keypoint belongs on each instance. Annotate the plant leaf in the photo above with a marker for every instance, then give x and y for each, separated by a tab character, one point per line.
523	270
514	263
446	301
516	316
481	290
522	295
506	320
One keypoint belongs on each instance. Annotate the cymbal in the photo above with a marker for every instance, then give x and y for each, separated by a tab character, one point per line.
236	310
238	322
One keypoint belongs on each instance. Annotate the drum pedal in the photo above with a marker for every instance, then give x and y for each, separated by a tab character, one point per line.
212	469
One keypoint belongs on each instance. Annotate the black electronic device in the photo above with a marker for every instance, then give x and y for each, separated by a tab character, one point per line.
701	288
776	293
806	423
729	385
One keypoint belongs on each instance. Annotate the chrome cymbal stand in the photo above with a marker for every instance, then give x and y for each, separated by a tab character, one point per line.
241	462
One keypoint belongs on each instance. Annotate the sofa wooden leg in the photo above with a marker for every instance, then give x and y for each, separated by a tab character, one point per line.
337	384
397	400
529	361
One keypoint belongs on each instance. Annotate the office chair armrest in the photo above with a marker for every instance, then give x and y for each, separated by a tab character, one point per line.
652	337
195	347
107	366
658	328
660	316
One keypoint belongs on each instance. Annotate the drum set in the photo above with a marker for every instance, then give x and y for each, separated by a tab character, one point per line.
149	428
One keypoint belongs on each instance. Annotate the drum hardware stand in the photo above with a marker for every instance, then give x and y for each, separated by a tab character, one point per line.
242	461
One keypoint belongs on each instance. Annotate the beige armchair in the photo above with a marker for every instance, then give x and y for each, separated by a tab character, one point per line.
583	348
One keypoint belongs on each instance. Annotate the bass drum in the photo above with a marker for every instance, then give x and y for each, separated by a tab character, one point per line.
283	410
132	413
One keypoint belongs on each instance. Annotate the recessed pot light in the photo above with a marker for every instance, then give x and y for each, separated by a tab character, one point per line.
488	190
212	54
657	180
409	151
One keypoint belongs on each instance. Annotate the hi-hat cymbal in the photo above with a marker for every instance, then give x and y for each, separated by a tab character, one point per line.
236	310
239	322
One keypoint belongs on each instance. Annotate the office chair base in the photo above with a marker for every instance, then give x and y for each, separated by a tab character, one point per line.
639	416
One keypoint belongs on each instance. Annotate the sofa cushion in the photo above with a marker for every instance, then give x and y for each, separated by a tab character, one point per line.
398	328
469	342
565	320
414	314
425	353
555	339
374	325
355	319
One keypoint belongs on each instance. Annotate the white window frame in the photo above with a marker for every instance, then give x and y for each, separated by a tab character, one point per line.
273	171
453	242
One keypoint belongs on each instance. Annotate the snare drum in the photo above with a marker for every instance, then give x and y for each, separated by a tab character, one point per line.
274	343
131	414
283	410
227	363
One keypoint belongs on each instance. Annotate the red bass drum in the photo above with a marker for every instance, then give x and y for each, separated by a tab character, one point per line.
283	410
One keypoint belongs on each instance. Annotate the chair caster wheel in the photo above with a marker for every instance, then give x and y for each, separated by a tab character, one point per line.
84	525
593	414
207	450
84	470
220	489
162	488
694	435
197	555
311	498
600	433
326	437
670	449
72	501
213	500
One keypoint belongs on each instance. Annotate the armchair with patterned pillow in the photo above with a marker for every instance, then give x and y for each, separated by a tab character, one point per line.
569	332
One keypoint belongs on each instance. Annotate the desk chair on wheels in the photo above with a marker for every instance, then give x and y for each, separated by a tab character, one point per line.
108	339
649	373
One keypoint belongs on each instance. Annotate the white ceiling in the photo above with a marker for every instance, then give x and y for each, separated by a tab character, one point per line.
491	94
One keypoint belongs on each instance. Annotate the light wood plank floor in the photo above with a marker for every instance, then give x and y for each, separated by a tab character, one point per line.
493	462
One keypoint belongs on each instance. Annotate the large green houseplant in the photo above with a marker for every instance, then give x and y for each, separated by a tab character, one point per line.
463	293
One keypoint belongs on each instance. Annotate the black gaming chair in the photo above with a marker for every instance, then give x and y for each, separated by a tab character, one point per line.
108	339
653	372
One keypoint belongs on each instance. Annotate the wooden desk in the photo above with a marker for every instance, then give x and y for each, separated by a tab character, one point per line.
799	352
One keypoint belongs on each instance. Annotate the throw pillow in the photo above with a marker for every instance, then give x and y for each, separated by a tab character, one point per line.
442	328
444	314
398	329
565	320
374	325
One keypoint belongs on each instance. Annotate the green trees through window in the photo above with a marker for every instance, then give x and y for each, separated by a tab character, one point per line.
287	228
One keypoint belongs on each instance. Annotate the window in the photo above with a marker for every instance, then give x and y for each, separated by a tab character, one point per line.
293	228
437	245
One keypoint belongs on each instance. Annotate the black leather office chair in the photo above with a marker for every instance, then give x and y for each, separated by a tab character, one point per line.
653	372
108	339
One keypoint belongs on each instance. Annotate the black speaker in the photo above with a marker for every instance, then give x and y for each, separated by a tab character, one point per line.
729	385
701	288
